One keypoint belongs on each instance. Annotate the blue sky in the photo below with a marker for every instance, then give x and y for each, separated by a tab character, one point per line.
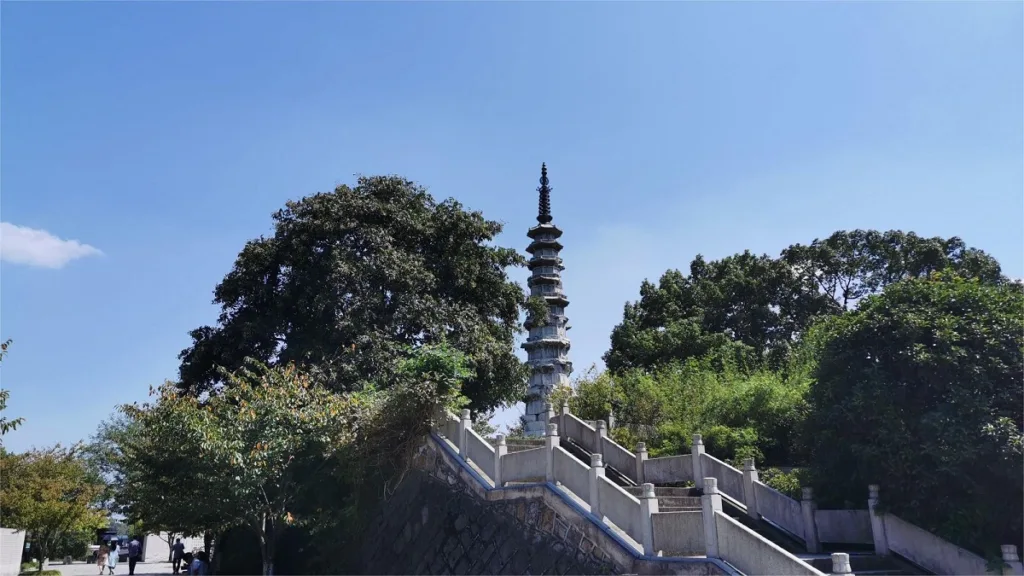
161	136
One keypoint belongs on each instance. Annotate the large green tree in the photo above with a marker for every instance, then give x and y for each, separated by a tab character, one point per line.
849	265
755	309
920	390
353	277
52	494
745	307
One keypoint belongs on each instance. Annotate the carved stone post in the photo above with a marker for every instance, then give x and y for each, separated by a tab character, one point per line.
602	433
809	507
1012	565
549	414
841	564
749	494
697	449
562	418
711	503
499	451
877	523
464	424
596	473
641	459
551	442
648	507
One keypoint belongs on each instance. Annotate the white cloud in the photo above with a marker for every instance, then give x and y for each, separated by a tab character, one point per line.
23	245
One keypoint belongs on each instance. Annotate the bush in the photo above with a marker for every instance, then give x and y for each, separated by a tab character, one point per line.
740	414
789	483
920	391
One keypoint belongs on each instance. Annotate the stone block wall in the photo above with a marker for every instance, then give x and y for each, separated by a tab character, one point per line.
431	527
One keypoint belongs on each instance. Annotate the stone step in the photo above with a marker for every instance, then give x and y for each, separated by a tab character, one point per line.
670	499
863	564
666	491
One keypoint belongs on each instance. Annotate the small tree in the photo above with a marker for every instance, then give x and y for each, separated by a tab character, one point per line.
258	451
51	494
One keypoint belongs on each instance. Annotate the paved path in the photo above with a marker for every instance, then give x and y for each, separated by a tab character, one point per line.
91	569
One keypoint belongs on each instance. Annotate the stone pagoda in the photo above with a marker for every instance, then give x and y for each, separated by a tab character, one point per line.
548	345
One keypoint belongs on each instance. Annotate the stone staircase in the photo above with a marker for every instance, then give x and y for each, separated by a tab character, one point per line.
674	499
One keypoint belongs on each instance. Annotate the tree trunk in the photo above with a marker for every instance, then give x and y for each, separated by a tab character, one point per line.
267	537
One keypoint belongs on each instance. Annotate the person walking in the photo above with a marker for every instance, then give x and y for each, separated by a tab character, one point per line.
200	565
112	557
177	551
134	552
101	557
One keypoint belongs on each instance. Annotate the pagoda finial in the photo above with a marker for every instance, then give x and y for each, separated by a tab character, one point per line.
544	209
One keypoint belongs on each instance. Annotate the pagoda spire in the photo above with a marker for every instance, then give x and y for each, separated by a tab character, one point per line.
547	346
544	206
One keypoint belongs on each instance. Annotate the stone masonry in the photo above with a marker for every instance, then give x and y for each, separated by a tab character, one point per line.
433	525
548	344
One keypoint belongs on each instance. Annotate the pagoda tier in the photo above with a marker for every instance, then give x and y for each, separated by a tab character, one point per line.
548	343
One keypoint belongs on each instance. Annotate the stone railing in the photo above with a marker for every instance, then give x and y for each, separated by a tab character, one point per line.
636	521
801	519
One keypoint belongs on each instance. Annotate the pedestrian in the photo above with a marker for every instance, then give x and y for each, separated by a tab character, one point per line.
177	551
134	551
112	558
200	565
101	557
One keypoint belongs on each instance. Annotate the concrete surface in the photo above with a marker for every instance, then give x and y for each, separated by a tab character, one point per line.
91	569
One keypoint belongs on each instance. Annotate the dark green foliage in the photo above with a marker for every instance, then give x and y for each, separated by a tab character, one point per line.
920	390
752	310
237	553
74	544
745	309
352	278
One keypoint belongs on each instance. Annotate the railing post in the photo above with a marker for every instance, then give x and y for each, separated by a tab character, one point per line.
602	433
749	494
648	506
464	424
499	451
549	414
641	459
877	523
562	418
1011	561
710	504
596	473
841	564
697	449
551	442
808	507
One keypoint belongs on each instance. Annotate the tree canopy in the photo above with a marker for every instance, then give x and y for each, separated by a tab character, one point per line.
920	390
52	494
352	278
263	452
753	310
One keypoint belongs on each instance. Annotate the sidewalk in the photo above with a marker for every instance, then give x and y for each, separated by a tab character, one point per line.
90	569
